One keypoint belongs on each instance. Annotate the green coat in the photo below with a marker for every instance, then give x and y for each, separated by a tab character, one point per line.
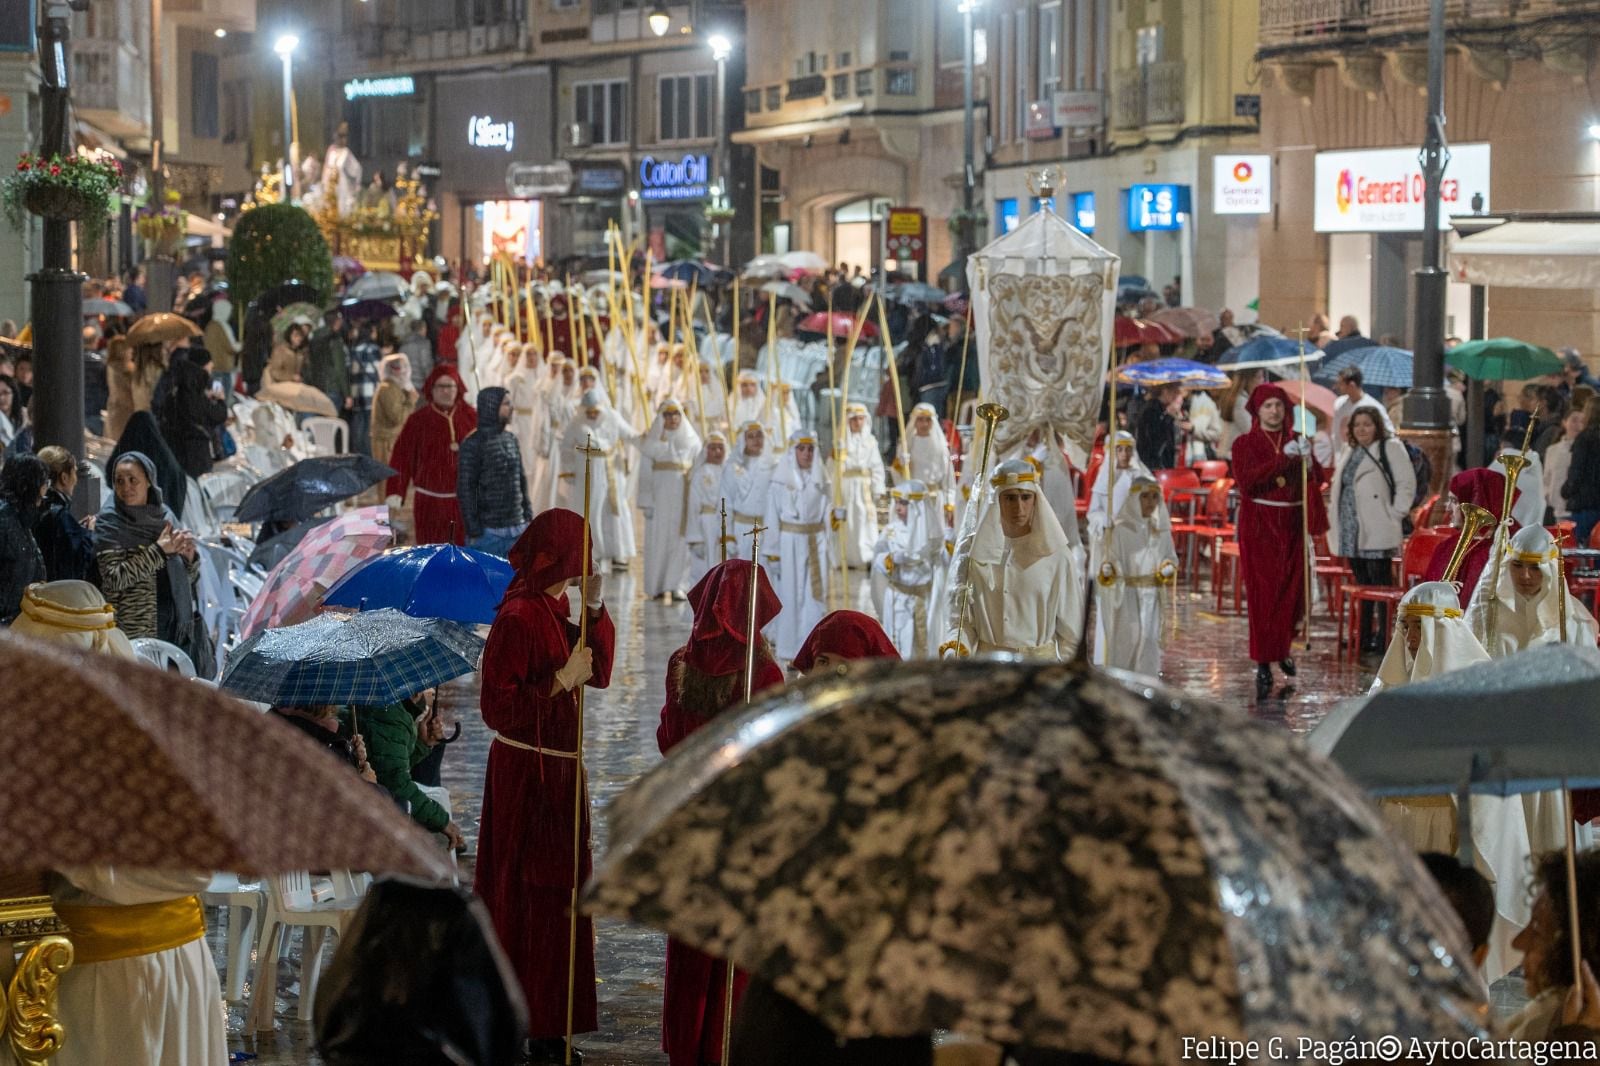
393	748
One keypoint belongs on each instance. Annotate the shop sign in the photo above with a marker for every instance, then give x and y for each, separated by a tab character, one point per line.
17	21
366	88
1040	124
1381	190
1083	211
1241	184
1156	207
908	234
674	179
483	131
525	181
1079	109
600	180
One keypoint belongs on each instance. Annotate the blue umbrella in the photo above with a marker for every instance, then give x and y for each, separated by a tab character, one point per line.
1265	351
1384	367
430	581
1173	371
686	270
368	660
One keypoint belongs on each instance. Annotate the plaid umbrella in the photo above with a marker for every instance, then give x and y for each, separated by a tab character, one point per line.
1380	365
428	581
135	766
326	554
1037	854
366	660
308	486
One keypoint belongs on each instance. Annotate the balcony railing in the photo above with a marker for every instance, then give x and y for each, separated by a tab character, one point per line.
111	86
807	88
362	46
1328	22
1151	95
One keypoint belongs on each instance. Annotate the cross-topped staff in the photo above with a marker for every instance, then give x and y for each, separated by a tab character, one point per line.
588	450
722	544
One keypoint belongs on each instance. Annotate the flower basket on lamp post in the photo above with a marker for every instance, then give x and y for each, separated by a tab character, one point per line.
76	188
162	230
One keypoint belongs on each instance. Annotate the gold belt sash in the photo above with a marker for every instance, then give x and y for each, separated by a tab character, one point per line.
747	519
662	464
530	747
857	472
809	530
101	934
1034	652
522	410
708	509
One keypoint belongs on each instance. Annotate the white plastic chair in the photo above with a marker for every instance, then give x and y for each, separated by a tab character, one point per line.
244	901
166	656
292	903
224	489
329	436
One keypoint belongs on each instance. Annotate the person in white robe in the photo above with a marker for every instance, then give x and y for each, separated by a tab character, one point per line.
1026	591
1205	426
1523	610
143	989
1132	568
746	479
707	404
750	405
624	461
471	347
797	541
912	566
708	544
667	459
597	426
553	406
926	458
861	468
891	538
1430	639
522	388
1128	466
783	418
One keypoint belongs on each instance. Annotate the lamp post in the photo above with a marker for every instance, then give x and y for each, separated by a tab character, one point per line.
969	177
721	49
285	47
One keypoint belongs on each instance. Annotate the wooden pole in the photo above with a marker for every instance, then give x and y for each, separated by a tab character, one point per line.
1309	551
894	377
578	782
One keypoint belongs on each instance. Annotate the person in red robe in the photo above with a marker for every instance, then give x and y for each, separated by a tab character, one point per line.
704	678
1272	546
1486	487
425	455
532	668
841	637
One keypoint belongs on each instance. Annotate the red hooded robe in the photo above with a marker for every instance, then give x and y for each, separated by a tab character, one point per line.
691	1009
525	844
848	635
1271	538
425	455
1485	487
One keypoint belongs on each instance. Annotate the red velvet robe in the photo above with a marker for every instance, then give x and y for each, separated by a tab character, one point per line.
425	455
1271	538
691	1009
524	872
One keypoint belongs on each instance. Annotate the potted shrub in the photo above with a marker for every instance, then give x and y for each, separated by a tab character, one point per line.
75	189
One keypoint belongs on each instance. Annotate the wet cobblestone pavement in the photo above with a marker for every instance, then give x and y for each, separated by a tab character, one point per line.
1205	657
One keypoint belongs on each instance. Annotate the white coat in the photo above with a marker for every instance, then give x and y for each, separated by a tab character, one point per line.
1378	515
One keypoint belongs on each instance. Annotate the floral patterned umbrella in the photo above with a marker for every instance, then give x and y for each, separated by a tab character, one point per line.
290	592
1038	854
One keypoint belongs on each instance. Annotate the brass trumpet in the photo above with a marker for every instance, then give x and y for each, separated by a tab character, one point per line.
1473	518
1515	465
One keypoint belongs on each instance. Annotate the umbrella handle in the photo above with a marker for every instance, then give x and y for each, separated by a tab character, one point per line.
454	734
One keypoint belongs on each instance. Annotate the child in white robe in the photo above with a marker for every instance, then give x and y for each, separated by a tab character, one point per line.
667	457
1133	564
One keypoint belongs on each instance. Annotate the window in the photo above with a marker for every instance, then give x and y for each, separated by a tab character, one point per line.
684	107
844	60
602	108
900	81
774	97
1006	210
1049	50
203	95
863	83
841	86
752	100
235	112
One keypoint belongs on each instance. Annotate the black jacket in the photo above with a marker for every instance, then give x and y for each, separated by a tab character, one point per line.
1582	490
21	564
489	480
1156	436
67	547
189	417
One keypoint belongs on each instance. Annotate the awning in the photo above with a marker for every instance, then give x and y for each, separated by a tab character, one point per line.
1530	255
210	229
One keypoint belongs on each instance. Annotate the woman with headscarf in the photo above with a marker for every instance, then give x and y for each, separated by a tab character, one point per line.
392	404
926	457
667	457
149	568
143	435
426	455
799	537
707	510
706	677
1025	586
842	637
191	412
532	668
23	484
1269	464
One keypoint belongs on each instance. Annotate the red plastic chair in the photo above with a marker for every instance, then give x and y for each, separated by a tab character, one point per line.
1210	470
1214	525
1173	480
1422	514
1414	559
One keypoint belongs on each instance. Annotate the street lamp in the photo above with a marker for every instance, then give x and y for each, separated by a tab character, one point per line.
721	48
285	47
660	19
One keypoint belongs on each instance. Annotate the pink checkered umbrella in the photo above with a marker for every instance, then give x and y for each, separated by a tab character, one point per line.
327	553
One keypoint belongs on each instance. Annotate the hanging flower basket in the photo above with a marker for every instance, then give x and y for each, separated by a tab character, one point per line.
162	230
73	189
719	215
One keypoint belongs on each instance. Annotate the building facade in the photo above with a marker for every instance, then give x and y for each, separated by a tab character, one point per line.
1343	114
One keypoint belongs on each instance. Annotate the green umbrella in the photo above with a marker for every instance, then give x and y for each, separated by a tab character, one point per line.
1501	358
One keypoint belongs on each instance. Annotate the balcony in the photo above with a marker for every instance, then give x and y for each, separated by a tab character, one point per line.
235	16
1150	95
810	87
1301	25
376	47
111	86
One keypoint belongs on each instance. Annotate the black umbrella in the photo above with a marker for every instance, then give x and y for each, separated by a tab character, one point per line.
271	552
308	486
1347	344
280	296
361	310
